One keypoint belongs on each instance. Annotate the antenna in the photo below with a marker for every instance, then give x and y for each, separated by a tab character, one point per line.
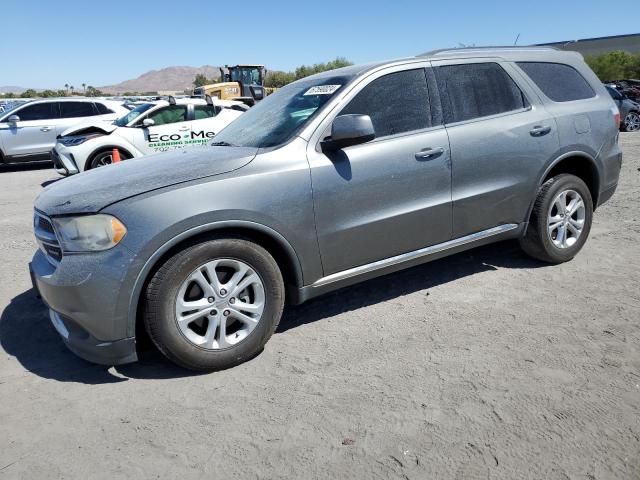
516	42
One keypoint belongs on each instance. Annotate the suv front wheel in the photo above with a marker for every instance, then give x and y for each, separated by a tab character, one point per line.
214	304
560	221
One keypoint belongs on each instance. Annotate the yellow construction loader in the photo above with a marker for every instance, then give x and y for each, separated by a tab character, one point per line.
244	83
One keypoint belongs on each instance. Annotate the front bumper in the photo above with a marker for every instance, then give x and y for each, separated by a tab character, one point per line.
85	305
63	161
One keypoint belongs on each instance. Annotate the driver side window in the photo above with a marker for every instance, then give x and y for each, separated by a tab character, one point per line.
38	111
397	103
170	114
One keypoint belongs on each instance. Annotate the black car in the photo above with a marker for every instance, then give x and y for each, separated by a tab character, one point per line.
629	111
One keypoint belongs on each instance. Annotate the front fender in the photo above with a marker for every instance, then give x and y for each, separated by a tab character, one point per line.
153	260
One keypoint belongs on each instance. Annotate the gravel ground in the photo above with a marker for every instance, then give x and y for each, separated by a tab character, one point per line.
483	365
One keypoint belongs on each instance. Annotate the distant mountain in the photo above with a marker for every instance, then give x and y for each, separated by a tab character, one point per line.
170	78
11	89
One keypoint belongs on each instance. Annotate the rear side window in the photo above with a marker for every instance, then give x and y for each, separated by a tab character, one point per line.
204	111
102	109
77	109
477	90
39	111
396	103
561	83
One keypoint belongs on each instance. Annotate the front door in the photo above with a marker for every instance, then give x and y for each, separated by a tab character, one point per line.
388	196
170	130
34	135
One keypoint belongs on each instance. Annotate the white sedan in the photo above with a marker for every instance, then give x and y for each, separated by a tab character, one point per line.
150	127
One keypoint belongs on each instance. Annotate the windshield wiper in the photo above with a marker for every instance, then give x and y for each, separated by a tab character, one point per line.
222	144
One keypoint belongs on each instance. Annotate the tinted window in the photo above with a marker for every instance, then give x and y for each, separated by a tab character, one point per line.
39	111
77	109
102	109
396	103
561	83
170	114
477	90
204	111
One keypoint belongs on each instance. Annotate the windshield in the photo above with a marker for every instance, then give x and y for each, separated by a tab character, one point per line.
133	114
279	116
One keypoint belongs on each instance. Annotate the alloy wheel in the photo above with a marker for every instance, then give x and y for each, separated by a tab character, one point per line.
566	218
632	122
220	304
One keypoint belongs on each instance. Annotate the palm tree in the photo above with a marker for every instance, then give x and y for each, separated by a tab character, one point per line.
66	87
84	88
71	87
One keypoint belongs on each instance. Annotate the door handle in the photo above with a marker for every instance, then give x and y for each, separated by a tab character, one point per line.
428	153
540	130
45	129
183	129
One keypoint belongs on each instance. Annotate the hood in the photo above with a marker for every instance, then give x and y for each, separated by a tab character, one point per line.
93	190
90	127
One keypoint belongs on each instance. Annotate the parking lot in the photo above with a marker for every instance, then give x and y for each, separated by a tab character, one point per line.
483	365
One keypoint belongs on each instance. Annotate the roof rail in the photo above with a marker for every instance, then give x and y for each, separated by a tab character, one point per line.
471	49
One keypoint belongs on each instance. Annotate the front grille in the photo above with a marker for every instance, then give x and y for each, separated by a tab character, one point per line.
46	238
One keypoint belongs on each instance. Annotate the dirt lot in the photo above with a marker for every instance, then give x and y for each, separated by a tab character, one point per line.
483	365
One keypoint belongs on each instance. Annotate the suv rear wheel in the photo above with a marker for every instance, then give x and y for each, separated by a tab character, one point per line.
560	221
215	304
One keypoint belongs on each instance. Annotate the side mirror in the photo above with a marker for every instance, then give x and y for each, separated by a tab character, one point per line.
348	130
13	119
148	122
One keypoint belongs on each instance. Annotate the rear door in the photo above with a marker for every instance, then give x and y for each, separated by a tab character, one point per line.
388	196
501	138
34	135
171	130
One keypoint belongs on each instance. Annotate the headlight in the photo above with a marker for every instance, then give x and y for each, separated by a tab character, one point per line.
72	141
88	233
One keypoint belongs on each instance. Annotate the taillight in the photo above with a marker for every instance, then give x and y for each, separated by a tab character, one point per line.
616	116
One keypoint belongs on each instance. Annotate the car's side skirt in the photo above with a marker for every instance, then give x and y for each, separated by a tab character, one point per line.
405	260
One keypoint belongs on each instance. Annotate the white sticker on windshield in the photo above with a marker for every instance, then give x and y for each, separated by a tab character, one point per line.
322	90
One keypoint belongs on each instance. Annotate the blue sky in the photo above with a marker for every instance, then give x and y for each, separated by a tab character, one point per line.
47	43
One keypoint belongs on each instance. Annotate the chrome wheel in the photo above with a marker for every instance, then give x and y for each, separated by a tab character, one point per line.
220	303
632	122
566	218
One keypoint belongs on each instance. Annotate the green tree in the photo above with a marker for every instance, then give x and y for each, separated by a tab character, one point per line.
280	79
201	81
30	93
48	93
92	92
616	65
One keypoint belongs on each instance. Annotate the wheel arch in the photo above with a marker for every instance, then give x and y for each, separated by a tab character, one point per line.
272	241
577	163
104	148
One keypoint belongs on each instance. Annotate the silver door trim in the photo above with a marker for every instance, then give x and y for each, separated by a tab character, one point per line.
405	257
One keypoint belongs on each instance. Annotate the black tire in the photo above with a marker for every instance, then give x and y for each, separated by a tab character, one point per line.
103	158
536	242
160	318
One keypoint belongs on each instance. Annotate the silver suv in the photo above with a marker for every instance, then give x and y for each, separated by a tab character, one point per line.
334	179
28	132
